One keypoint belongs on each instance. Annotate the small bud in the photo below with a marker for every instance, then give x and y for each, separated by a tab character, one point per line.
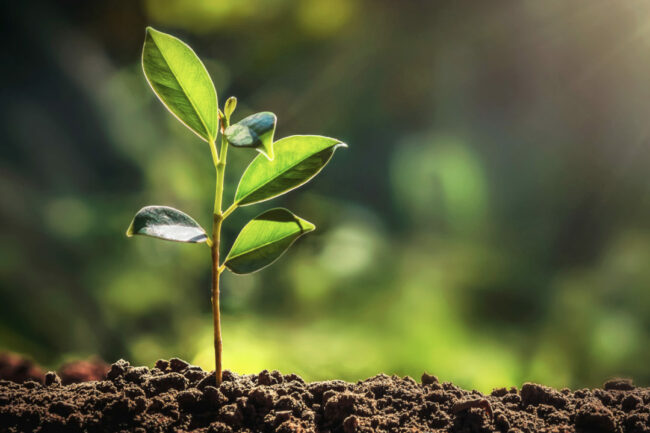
230	106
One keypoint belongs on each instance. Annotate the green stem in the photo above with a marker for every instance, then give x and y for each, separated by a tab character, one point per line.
213	151
218	217
230	210
216	314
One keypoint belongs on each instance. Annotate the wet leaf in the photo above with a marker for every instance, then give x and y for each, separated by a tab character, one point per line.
264	239
166	223
254	131
298	158
181	82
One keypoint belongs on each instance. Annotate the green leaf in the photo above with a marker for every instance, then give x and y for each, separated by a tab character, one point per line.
166	223
181	82
255	131
297	159
264	239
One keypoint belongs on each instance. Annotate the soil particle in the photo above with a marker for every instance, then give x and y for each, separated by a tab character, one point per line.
176	397
214	396
428	379
178	365
594	417
52	379
481	403
262	397
619	384
159	384
533	394
630	402
189	400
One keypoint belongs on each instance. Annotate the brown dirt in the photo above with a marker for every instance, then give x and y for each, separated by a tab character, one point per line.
177	397
18	369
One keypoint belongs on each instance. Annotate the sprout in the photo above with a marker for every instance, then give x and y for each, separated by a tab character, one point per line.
181	82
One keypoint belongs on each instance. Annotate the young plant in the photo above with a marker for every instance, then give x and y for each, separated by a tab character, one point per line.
183	85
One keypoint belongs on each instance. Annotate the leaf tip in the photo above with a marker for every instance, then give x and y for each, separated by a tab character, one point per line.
305	226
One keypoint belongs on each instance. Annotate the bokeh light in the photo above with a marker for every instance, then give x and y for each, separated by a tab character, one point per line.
489	223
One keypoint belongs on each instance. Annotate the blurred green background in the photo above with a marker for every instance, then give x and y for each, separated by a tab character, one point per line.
490	222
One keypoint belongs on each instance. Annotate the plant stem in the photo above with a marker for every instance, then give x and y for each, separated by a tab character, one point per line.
218	217
230	210
216	314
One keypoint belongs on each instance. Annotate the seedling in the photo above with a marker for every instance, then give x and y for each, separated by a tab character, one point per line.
181	82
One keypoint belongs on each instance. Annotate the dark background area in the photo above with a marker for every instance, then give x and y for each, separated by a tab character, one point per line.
489	222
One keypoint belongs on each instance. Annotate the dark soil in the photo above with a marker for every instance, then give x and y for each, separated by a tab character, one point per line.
18	369
177	397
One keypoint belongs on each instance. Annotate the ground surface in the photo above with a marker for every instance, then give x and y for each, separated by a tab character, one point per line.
19	369
177	397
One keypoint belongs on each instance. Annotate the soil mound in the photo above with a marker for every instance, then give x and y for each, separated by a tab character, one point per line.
175	397
18	369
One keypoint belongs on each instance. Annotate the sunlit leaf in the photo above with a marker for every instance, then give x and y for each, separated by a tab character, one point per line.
264	239
254	131
297	159
181	81
166	223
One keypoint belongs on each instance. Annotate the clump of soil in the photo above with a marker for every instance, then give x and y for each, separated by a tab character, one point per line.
175	397
18	369
83	371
